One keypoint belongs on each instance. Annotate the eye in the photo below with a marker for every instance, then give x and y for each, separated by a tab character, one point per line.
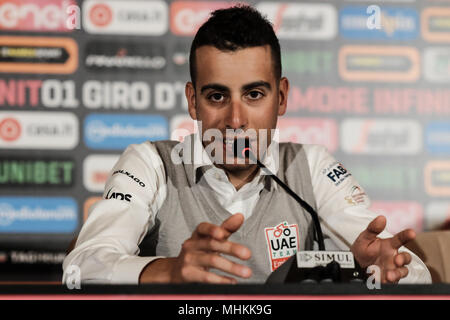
255	95
216	97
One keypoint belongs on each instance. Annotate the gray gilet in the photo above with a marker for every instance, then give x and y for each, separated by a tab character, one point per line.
188	203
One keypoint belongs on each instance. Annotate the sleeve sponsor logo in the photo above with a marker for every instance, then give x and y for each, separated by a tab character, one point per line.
357	196
188	16
381	136
111	194
126	56
436	67
38	130
400	215
38	55
109	131
148	18
131	176
31	15
437	215
396	24
438	138
38	215
436	24
309	131
301	21
336	173
282	243
437	178
96	170
23	172
379	63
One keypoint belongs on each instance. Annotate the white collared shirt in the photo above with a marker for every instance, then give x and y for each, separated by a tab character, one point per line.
107	246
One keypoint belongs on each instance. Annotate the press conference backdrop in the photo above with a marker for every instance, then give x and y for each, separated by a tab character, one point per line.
81	80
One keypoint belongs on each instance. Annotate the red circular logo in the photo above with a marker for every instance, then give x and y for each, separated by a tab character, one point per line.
100	15
10	129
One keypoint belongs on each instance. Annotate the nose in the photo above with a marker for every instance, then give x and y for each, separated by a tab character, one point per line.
236	117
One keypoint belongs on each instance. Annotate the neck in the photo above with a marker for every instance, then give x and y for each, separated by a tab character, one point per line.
241	177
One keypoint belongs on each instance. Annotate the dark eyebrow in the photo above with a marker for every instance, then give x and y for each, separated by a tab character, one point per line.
214	86
256	84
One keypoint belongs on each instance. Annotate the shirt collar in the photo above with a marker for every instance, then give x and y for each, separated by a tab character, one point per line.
202	161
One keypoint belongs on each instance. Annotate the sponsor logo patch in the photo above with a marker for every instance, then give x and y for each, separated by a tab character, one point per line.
357	196
336	173
282	243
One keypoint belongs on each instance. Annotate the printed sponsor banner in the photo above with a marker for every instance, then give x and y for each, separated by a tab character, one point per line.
128	17
381	136
38	215
32	172
437	214
38	130
310	62
436	66
87	206
437	137
379	63
39	16
301	21
117	131
97	169
309	131
187	16
38	55
400	215
124	56
397	23
30	257
436	24
437	178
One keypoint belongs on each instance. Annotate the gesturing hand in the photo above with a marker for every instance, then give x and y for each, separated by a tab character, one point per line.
368	250
203	251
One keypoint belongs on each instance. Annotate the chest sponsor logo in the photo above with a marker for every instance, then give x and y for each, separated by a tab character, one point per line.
38	130
282	243
301	21
381	136
38	55
32	15
396	24
336	173
125	17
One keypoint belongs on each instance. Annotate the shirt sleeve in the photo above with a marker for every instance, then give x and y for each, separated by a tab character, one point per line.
107	249
343	208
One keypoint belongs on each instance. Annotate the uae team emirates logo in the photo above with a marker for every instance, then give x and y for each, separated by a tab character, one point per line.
282	243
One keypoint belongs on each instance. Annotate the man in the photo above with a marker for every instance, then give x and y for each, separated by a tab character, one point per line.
179	215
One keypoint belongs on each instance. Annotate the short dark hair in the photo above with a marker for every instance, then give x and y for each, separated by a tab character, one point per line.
235	28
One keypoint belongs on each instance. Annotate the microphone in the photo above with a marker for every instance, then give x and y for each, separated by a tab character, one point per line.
311	266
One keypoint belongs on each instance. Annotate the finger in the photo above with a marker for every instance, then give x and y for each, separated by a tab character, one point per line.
226	247
218	262
402	259
397	274
375	227
233	223
206	229
402	238
196	274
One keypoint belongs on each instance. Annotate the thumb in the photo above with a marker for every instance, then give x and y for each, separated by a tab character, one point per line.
375	227
233	223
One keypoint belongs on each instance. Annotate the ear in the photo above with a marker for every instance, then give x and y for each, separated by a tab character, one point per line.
190	96
283	92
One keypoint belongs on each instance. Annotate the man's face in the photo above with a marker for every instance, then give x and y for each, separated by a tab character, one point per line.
236	91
